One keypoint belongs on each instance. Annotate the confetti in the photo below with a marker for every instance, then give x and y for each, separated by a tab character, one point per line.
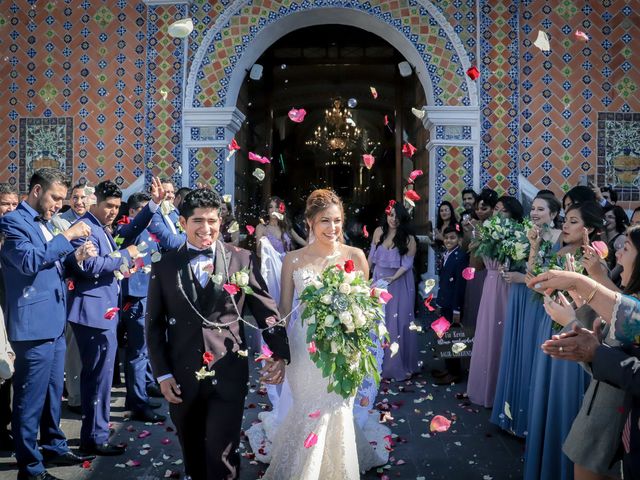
297	115
311	440
110	313
441	326
365	232
207	358
257	158
385	297
132	463
411	195
580	35
259	174
429	284
232	147
427	302
233	228
86	464
315	414
469	273
419	113
415	174
507	410
181	28
374	92
226	198
458	347
409	150
473	73
156	257
165	441
144	434
163	93
393	348
369	160
439	424
230	288
250	229
70	285
542	42
243	353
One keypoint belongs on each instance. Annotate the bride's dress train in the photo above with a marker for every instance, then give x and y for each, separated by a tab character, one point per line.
343	448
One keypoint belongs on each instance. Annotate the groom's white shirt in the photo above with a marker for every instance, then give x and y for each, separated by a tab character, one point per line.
199	266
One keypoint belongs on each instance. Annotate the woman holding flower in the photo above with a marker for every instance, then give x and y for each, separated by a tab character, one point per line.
393	250
487	343
524	312
558	387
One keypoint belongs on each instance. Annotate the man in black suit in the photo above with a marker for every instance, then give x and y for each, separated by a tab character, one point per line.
196	340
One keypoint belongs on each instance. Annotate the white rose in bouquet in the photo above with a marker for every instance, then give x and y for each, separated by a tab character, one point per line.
345	288
345	317
243	279
329	320
317	284
326	299
349	277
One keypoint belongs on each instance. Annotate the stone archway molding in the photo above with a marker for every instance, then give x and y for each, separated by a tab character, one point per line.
322	15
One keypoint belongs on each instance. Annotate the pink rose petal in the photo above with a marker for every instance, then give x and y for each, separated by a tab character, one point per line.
311	440
257	158
132	463
409	150
315	414
144	434
312	347
230	288
441	326
365	232
469	273
580	35
415	174
601	249
233	145
165	441
110	313
439	424
297	115
266	351
369	160
251	229
385	296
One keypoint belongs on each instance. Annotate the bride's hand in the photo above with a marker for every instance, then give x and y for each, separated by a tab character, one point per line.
272	372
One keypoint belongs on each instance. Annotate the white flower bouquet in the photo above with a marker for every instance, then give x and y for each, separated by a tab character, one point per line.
341	310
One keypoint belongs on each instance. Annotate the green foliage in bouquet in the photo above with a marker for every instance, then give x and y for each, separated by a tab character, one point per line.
501	238
341	310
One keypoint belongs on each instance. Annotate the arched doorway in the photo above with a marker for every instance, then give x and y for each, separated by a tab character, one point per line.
357	102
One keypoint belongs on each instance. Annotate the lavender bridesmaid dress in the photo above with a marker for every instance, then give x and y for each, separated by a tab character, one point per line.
487	343
399	312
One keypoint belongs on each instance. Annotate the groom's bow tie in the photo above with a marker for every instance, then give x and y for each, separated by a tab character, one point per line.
193	253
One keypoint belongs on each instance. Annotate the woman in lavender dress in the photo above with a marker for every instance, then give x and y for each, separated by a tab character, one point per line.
487	343
391	258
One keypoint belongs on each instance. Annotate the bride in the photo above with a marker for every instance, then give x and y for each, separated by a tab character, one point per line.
343	449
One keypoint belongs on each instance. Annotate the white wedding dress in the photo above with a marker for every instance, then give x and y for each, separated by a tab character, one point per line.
344	447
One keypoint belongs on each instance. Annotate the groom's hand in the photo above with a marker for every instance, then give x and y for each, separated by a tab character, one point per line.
272	372
171	390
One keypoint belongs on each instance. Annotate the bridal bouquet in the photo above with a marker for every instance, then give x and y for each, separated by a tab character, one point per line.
342	310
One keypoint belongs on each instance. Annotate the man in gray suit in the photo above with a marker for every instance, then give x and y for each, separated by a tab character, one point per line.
73	362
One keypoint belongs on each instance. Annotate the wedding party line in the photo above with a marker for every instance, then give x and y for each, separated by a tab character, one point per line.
534	304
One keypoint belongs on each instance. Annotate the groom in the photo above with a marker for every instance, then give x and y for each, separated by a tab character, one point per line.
192	326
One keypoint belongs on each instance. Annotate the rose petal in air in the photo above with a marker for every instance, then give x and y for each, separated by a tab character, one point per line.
393	348
315	414
257	158
427	302
266	351
601	249
411	195
259	174
542	42
297	115
439	424
250	229
441	326
230	288
110	313
385	297
374	92
368	160
415	174
311	440
132	463
469	273
580	35
473	73
409	150
365	232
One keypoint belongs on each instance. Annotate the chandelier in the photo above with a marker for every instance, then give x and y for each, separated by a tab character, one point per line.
337	132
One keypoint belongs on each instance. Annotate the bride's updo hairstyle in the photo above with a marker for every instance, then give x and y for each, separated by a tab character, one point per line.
318	201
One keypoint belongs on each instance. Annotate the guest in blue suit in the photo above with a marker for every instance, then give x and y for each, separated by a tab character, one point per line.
451	288
94	317
33	259
164	225
138	377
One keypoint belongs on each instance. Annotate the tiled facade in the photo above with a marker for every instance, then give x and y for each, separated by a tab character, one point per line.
110	69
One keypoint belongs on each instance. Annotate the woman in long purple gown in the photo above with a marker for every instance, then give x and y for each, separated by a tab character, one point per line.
487	343
391	259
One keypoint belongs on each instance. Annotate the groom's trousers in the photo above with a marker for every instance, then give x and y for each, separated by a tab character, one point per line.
208	426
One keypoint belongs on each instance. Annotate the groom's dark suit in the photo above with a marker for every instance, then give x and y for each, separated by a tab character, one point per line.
209	419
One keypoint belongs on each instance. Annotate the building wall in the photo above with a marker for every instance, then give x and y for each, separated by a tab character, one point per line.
74	74
102	83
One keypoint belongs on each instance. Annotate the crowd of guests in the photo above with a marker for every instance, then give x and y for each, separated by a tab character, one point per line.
579	420
75	288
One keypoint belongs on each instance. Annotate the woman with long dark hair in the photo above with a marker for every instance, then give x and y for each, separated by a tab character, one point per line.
615	225
393	250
